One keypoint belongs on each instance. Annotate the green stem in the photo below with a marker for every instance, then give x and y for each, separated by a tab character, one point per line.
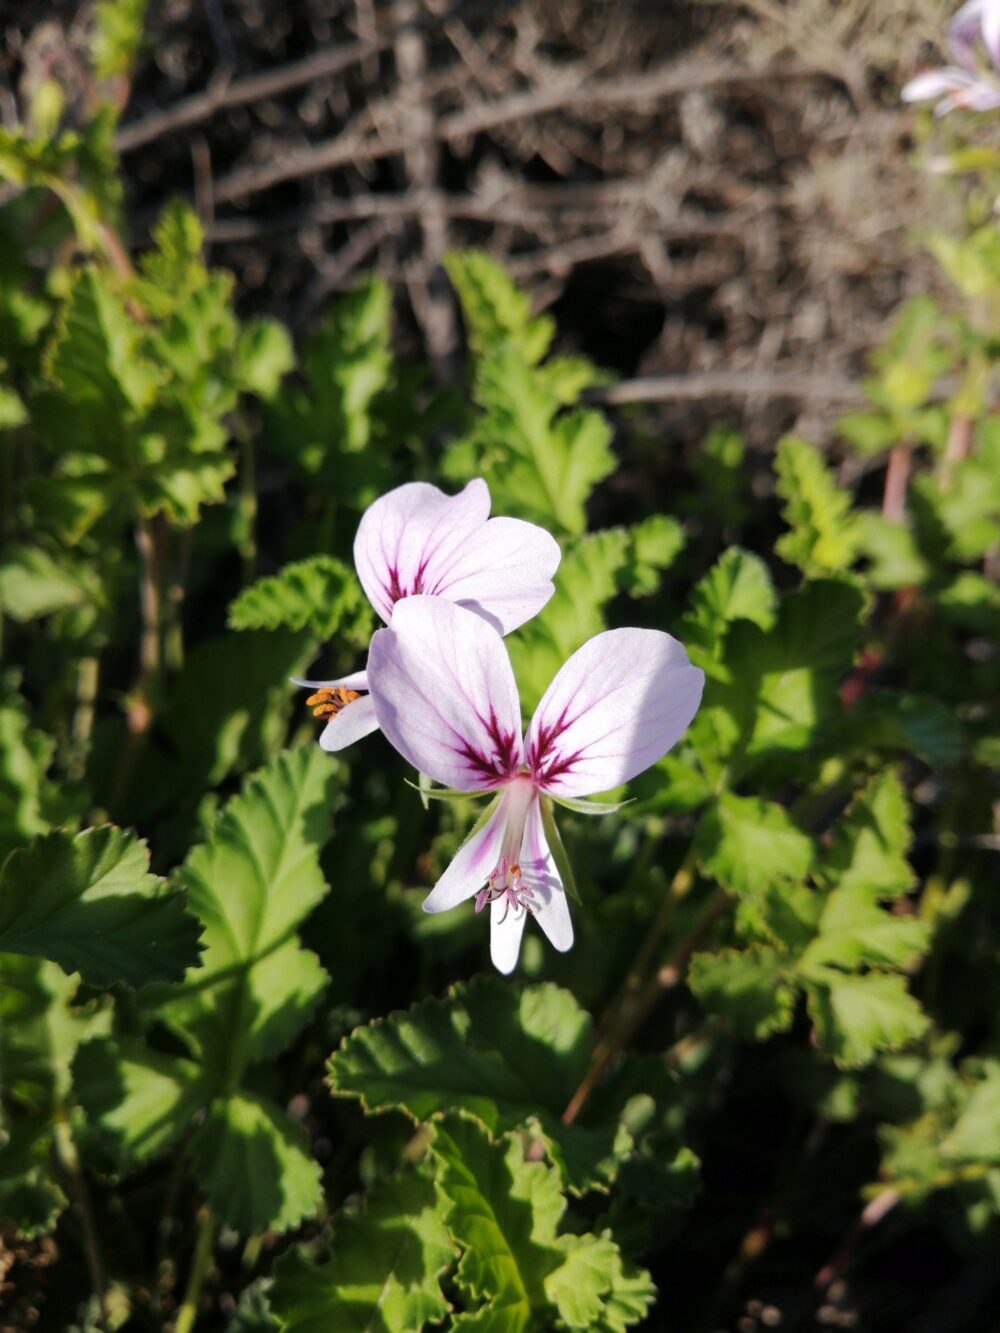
83	716
188	1312
248	503
70	1159
635	998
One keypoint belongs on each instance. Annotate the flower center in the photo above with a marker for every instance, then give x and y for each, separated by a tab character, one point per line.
330	699
506	882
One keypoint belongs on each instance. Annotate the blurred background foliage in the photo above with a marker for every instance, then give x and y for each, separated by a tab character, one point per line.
676	281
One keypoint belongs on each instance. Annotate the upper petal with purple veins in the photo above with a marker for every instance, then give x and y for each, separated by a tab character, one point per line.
445	695
504	574
615	708
405	531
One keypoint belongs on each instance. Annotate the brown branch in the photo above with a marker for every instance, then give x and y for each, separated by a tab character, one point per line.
727	384
222	94
626	90
518	209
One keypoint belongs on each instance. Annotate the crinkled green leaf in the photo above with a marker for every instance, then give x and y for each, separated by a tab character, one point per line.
319	594
254	1165
541	462
505	1213
775	691
88	903
858	1015
25	755
822	539
383	1274
139	1102
748	844
228	708
870	842
117	34
507	1057
330	424
494	307
252	884
752	988
265	355
34	583
737	587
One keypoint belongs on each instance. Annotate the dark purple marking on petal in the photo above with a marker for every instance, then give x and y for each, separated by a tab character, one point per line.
395	591
545	761
502	762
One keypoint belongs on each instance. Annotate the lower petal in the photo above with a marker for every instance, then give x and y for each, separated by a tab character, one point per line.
506	929
540	874
355	720
471	864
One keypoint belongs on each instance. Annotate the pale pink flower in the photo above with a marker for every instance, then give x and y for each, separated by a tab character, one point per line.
417	540
964	84
445	697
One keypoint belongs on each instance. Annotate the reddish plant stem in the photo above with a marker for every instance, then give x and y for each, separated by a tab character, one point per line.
637	998
897	479
958	447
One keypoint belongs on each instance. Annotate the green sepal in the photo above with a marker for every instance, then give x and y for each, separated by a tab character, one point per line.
584	807
554	839
429	793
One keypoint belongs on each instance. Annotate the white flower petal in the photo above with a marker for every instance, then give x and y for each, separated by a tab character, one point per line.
445	694
471	864
408	528
357	680
506	929
540	874
614	709
504	574
354	720
963	29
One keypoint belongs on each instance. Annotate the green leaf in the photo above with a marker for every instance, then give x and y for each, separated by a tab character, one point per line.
254	1166
228	708
334	427
509	1058
856	1016
749	844
869	844
384	1270
737	587
505	1213
975	1136
88	903
252	884
138	1102
963	520
25	755
40	1030
117	35
822	538
541	462
751	988
34	583
264	356
495	309
776	690
320	594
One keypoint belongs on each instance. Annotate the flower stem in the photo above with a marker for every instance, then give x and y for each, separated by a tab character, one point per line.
640	992
188	1312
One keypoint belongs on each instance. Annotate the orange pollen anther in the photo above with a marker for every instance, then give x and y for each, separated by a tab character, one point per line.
330	699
